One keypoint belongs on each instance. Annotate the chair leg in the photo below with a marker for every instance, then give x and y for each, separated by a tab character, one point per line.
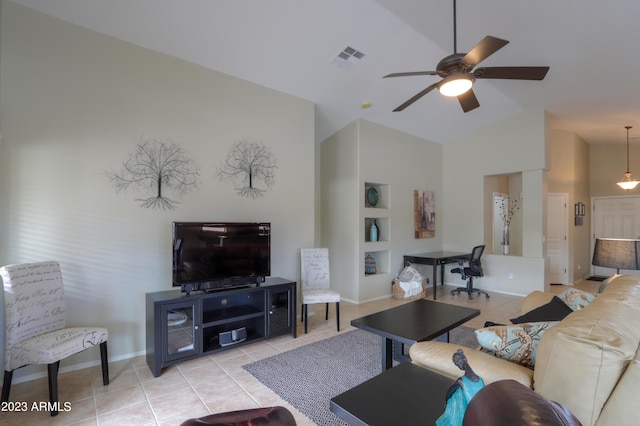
326	315
481	292
105	363
6	385
475	290
53	386
469	289
306	318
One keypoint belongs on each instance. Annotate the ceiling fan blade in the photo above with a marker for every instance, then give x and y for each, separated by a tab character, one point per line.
481	51
416	97
408	74
512	73
468	101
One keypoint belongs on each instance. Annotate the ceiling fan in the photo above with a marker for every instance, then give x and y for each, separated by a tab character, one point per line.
458	75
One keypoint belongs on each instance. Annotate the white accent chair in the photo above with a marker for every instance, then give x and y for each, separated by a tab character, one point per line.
316	283
35	325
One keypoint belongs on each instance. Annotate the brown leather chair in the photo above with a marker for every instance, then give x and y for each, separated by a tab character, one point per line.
508	403
273	416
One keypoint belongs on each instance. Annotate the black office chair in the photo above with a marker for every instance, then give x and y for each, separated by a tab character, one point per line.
473	270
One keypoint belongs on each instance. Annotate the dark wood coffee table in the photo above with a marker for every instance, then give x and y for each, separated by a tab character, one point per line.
404	395
413	322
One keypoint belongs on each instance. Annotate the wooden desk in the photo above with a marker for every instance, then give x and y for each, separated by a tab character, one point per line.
434	259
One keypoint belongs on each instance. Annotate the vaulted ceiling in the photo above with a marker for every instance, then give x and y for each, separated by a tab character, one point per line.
591	47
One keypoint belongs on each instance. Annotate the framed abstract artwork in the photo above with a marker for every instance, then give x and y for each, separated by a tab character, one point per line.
424	214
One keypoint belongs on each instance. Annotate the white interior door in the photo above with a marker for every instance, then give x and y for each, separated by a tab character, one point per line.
557	241
615	217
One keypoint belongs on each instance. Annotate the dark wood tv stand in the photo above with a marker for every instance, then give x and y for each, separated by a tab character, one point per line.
181	326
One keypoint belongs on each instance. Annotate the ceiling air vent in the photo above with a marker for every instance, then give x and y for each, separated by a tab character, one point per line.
348	58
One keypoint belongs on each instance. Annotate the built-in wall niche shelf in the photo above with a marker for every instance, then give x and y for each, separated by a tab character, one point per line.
382	223
376	195
381	258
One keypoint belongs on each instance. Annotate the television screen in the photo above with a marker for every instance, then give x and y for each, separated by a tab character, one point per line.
212	255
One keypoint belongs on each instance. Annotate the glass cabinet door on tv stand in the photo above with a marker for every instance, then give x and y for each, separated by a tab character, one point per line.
181	331
281	302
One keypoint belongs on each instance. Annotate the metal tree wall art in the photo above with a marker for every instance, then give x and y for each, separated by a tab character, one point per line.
157	167
247	164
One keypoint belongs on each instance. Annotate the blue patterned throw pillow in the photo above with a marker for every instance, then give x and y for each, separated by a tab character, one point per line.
576	299
515	343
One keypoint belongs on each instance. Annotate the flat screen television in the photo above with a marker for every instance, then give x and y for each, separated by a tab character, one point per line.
216	255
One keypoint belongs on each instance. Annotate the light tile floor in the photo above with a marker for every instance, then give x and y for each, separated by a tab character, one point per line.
211	384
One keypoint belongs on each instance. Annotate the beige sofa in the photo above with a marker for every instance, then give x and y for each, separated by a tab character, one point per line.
589	362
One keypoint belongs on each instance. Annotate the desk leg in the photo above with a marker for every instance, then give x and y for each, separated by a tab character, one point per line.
435	276
387	353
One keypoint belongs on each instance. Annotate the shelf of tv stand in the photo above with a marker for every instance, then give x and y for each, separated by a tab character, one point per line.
235	313
263	311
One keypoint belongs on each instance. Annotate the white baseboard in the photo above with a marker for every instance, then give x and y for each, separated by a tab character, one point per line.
26	377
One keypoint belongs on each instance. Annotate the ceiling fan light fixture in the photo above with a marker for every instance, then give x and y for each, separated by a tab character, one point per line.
455	84
627	182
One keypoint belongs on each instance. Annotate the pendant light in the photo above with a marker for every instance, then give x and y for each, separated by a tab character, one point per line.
627	183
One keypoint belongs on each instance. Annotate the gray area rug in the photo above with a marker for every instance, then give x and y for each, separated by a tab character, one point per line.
309	376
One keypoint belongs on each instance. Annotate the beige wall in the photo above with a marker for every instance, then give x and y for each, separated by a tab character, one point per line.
339	228
569	173
367	152
74	105
607	164
517	144
406	163
585	171
4	177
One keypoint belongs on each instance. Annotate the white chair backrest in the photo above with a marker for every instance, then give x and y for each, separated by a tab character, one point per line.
315	268
34	301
